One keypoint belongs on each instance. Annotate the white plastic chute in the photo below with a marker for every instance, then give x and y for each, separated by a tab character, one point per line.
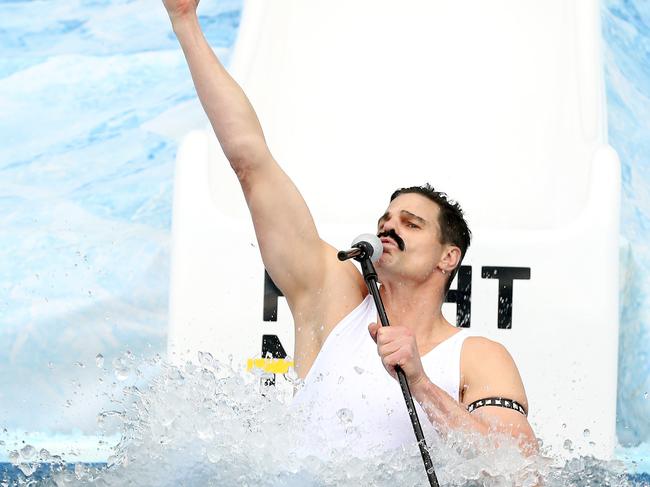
501	105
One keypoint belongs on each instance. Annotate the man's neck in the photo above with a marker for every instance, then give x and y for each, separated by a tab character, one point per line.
417	306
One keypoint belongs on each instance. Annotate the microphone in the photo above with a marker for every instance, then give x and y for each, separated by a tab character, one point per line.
365	245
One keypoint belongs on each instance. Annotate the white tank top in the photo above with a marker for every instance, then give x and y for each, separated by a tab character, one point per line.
350	401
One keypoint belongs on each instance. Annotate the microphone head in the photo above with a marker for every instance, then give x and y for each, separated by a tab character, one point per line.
375	244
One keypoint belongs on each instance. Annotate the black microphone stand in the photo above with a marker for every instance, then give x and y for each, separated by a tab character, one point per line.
370	276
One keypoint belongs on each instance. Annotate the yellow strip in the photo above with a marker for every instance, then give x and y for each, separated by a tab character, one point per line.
271	365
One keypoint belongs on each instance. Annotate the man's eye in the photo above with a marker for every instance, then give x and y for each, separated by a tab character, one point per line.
412	225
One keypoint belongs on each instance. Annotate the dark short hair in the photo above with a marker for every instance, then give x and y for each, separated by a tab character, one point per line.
453	227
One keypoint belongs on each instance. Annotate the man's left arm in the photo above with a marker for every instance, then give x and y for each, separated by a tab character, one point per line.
487	370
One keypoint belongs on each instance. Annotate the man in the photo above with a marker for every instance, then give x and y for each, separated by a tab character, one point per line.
328	298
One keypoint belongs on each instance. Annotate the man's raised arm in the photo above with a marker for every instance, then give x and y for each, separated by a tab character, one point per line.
291	249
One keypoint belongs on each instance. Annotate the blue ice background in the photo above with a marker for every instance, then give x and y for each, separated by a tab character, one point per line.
86	193
626	34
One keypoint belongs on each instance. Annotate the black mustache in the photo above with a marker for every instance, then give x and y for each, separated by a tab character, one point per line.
392	234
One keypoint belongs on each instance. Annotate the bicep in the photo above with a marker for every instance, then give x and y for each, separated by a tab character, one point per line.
491	372
292	251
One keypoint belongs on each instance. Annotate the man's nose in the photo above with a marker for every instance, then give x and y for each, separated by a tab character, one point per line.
389	225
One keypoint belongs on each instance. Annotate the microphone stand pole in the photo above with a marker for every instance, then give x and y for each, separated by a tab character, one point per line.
370	276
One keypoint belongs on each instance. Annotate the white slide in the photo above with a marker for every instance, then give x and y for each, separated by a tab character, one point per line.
501	105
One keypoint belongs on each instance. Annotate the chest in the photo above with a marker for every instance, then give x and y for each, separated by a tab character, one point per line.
348	391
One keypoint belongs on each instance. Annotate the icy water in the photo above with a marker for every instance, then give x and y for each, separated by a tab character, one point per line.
206	424
85	198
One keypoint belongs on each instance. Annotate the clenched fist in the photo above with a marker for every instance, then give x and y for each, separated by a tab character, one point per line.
396	345
178	9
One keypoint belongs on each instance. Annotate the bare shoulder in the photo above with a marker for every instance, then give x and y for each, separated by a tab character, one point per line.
488	370
480	350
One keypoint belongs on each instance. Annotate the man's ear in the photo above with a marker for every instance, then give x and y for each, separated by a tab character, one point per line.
450	258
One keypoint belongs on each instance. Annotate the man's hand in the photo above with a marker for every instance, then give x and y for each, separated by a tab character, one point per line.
178	9
396	345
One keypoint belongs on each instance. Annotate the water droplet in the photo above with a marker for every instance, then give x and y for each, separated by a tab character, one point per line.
14	457
121	374
206	359
79	364
645	395
27	452
345	415
563	426
341	379
358	370
586	433
99	360
568	445
50	365
122	367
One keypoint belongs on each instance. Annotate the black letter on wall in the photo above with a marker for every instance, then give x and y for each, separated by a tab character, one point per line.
505	275
462	296
271	346
271	294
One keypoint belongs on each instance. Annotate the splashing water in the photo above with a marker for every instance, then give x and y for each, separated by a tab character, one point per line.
208	424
